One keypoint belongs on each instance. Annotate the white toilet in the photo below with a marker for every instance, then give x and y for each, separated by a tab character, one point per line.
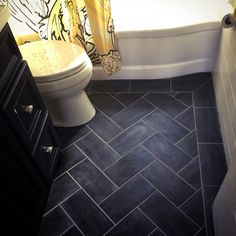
61	71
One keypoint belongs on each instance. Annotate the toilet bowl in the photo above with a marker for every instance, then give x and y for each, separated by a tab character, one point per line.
61	71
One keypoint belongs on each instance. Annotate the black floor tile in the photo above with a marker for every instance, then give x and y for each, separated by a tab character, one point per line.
213	164
167	182
204	96
55	223
209	194
134	224
202	232
129	165
127	98
87	216
157	232
131	137
158	85
166	126
106	103
92	180
62	188
189	144
207	125
167	152
191	173
70	135
193	207
187	118
189	82
98	151
127	198
186	98
167	217
133	113
166	103
73	231
70	156
104	127
109	86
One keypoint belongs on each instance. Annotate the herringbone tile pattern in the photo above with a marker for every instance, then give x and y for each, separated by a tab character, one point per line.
149	163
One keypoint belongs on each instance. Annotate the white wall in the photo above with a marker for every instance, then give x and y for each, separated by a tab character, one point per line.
225	88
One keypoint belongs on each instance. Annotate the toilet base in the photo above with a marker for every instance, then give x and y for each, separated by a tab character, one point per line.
70	111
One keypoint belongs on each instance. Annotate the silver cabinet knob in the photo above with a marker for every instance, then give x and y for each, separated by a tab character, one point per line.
27	108
47	149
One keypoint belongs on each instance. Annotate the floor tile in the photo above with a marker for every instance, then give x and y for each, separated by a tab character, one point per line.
204	96
158	85
185	98
202	232
209	194
127	98
189	144
87	216
193	207
213	164
55	223
167	152
70	156
166	126
166	103
134	224
106	103
127	198
129	165
104	127
133	113
167	182
187	118
62	187
207	125
158	232
73	231
92	180
131	137
191	173
189	82
168	217
98	151
109	86
70	135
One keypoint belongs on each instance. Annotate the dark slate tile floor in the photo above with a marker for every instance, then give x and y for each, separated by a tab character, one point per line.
149	163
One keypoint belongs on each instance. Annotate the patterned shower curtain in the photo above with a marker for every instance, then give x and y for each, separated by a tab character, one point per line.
84	22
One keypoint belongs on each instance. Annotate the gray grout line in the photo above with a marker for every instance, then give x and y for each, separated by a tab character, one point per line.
172	203
184	137
58	204
198	231
203	200
181	113
93	201
77	140
196	157
210	143
99	170
170	169
189	198
66	230
176	99
170	116
72	220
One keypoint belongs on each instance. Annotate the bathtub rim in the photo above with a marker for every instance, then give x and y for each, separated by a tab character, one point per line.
169	32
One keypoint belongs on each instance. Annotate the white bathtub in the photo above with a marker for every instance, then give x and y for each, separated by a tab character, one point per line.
166	38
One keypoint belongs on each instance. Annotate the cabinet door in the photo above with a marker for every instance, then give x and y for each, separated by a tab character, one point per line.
24	109
21	183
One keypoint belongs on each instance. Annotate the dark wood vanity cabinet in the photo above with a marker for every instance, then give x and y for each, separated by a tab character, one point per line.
29	146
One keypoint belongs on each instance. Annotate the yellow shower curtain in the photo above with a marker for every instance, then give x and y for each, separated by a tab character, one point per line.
84	22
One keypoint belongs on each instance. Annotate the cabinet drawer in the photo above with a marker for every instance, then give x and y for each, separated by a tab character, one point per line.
47	150
24	108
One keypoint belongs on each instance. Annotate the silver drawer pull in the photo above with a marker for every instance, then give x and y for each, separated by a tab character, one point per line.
27	108
47	149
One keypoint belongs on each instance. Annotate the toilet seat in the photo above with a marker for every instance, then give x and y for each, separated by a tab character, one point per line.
51	60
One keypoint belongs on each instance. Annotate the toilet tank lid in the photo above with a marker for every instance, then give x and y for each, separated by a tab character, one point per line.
52	58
